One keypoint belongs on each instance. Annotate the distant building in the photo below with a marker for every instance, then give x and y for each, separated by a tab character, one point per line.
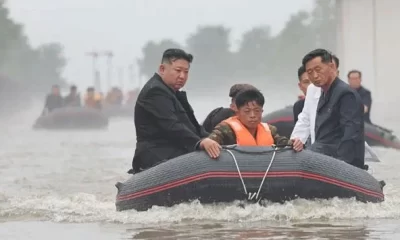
368	39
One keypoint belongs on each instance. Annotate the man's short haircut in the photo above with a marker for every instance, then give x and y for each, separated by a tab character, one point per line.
336	60
301	71
235	89
354	71
172	54
249	95
326	56
73	88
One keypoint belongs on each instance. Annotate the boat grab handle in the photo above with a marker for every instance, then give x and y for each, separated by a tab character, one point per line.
253	196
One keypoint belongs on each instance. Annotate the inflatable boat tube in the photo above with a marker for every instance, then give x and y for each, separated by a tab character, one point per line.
72	118
374	135
241	172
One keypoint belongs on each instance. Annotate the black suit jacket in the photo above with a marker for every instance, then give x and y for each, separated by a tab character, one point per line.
367	101
216	116
166	126
297	109
339	124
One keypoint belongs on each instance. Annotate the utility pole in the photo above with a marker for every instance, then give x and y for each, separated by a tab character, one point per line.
138	76
121	77
109	55
94	55
131	77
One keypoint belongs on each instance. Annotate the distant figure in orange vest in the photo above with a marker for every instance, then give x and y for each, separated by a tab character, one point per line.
246	128
92	99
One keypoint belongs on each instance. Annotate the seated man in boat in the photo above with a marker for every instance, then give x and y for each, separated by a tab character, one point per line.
72	99
354	79
53	100
92	99
304	81
219	114
165	124
246	128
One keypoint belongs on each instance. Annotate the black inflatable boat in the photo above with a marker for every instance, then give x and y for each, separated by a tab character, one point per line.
72	118
247	173
374	135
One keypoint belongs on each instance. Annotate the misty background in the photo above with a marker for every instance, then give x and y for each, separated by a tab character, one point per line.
61	184
45	42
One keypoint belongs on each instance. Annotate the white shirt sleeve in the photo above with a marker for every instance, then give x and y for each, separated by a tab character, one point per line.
302	128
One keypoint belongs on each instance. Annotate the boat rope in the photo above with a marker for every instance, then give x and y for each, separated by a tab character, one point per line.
237	167
253	196
265	175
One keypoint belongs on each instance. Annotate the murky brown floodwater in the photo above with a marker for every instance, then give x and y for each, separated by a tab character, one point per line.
60	185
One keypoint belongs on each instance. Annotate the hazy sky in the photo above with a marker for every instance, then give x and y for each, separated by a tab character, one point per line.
124	26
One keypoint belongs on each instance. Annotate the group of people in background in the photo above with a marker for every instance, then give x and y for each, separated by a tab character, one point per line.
91	99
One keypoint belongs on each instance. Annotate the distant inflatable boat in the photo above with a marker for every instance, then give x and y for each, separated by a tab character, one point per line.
247	173
123	111
72	118
374	135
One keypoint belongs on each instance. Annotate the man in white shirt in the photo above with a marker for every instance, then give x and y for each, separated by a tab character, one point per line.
305	124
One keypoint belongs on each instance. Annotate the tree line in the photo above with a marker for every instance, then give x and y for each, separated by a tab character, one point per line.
25	70
262	58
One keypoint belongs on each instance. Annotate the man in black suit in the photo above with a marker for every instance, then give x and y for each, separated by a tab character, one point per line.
339	124
354	79
165	123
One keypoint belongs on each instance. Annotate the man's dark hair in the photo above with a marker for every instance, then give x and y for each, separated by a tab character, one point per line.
336	60
90	89
301	71
73	88
354	71
172	54
235	89
326	56
249	95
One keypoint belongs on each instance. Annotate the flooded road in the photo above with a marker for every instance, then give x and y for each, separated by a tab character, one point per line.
60	185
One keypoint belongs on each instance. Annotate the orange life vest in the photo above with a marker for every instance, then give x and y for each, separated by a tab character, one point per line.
244	137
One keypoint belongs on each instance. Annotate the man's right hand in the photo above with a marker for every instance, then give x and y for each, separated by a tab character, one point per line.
211	147
297	144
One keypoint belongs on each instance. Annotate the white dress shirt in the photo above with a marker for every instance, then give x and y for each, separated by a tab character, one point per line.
305	125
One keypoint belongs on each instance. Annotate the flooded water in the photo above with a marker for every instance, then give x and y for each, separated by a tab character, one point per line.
60	185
